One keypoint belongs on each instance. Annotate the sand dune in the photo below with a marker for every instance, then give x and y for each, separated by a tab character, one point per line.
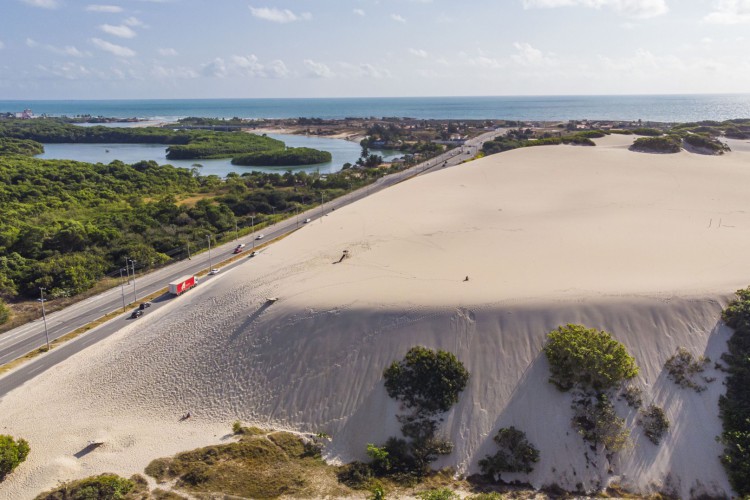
649	247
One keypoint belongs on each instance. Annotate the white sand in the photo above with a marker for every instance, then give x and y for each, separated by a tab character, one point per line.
649	247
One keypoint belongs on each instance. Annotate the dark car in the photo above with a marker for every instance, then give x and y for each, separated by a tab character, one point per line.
144	305
136	314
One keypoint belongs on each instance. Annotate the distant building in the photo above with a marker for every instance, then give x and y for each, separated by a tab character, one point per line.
26	114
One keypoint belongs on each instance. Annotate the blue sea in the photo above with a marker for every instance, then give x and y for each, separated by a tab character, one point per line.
661	108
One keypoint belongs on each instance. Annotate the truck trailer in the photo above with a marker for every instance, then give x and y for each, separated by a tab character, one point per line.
182	285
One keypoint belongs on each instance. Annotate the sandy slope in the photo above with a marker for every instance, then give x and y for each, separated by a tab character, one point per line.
648	247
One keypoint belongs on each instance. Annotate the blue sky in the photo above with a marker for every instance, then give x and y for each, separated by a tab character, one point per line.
105	49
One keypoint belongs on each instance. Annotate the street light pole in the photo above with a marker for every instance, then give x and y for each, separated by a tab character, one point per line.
252	231
135	295
127	268
188	247
122	289
236	231
44	317
210	266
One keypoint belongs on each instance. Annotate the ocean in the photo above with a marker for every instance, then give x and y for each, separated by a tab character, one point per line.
661	108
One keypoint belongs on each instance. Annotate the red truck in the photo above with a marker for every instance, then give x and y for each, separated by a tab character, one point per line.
182	285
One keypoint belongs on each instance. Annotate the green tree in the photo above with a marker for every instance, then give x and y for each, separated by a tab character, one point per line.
587	358
4	313
12	453
515	454
425	380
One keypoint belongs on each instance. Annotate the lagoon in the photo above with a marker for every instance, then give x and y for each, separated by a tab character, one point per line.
342	151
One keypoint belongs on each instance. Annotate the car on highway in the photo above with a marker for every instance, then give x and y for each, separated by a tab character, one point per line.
144	305
260	236
239	248
213	272
136	314
307	220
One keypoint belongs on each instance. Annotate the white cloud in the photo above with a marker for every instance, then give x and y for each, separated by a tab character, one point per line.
398	18
167	52
44	4
730	12
166	72
245	66
134	21
364	70
485	62
529	56
112	48
67	50
2	45
277	69
317	70
217	68
632	8
418	53
112	9
359	12
121	31
279	15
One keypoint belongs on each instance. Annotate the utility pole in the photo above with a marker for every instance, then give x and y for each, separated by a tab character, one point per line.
127	268
135	295
44	317
210	266
122	289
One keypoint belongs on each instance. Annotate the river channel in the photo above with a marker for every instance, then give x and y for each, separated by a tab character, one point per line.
342	151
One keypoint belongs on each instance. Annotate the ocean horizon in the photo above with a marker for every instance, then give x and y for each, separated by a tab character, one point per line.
657	108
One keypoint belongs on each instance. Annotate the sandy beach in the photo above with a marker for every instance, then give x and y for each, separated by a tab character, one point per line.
648	247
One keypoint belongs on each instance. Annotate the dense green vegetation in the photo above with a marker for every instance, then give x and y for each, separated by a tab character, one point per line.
428	383
649	132
101	487
204	145
594	364
706	143
4	312
183	144
519	138
654	422
734	406
283	158
425	380
595	419
24	147
515	454
665	144
12	453
587	358
64	224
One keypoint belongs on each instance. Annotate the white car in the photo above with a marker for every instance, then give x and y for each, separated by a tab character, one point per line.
213	272
259	237
307	220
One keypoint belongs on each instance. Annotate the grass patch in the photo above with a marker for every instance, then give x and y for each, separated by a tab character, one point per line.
257	466
104	486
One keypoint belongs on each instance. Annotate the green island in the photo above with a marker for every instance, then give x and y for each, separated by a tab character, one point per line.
181	144
283	158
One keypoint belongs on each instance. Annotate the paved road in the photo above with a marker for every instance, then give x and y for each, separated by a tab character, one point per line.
26	338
